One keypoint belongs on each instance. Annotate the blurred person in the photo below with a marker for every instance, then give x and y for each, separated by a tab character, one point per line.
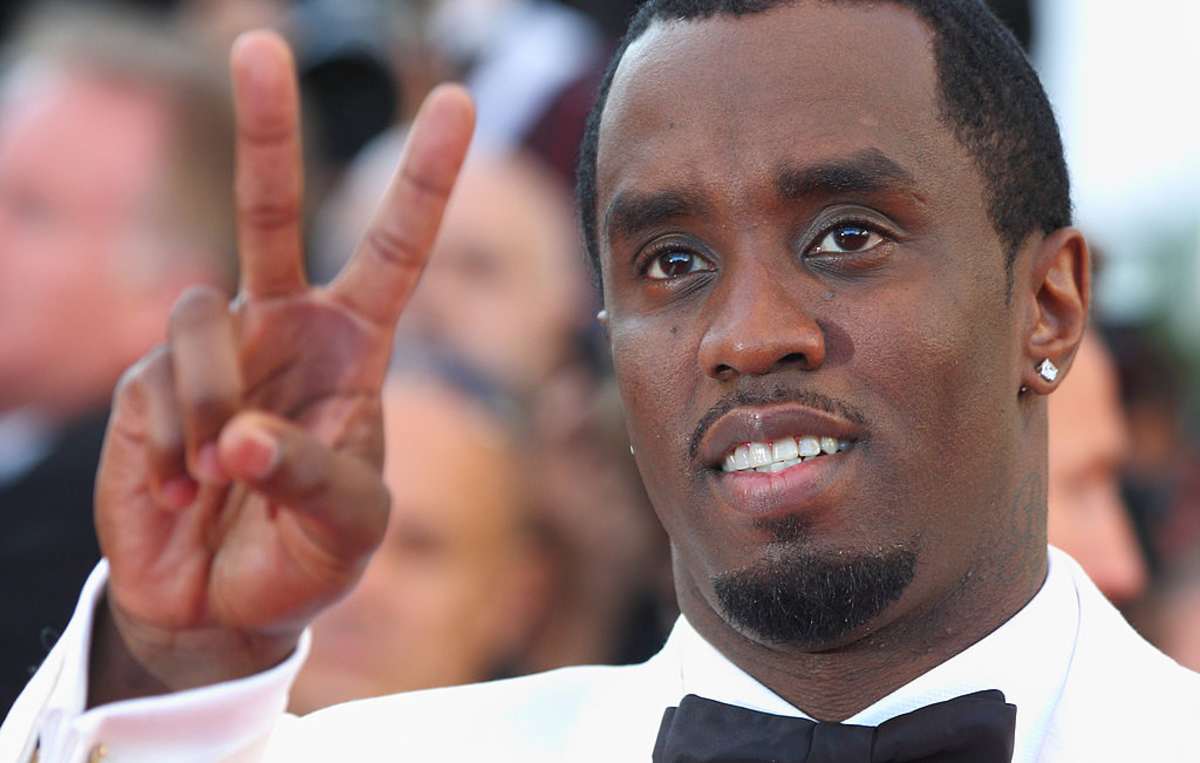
115	175
1088	445
533	67
613	598
1162	481
506	287
457	589
1170	615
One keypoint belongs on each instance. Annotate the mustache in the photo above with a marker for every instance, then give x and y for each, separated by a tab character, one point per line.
778	394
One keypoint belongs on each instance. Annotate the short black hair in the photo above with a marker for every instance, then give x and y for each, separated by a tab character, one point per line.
989	97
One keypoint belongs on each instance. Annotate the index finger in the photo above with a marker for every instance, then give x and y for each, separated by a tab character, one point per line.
377	282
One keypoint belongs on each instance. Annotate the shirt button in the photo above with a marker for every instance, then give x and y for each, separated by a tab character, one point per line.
98	754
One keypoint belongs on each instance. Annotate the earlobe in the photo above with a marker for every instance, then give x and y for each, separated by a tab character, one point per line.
1061	282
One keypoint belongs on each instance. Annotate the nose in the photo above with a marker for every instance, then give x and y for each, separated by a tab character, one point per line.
761	325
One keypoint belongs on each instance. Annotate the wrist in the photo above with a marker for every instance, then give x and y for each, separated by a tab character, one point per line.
131	659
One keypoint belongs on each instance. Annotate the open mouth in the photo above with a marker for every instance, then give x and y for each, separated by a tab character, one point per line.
782	453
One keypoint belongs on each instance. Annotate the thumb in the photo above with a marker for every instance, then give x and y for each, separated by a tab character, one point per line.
340	499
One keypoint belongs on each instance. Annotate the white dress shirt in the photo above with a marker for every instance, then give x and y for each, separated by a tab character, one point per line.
1086	687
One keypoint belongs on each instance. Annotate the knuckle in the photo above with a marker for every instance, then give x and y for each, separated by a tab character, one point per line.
209	410
134	379
129	386
425	187
269	215
198	304
394	248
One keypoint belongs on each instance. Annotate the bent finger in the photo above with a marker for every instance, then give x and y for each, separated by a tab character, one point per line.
165	449
146	393
340	498
377	281
206	374
270	174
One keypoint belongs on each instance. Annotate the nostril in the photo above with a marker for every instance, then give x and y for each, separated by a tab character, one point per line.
794	357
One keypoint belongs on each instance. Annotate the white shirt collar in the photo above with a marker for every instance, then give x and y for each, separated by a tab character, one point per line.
1027	658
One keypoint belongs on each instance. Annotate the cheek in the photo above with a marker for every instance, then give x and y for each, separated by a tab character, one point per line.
656	370
938	366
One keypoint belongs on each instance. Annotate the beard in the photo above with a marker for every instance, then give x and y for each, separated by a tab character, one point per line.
812	599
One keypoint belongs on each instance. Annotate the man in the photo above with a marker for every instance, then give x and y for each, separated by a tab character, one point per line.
1088	444
839	224
106	215
459	583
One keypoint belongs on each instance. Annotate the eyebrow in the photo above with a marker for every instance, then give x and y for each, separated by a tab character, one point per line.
632	212
868	171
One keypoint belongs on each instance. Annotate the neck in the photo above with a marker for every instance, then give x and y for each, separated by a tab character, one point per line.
834	683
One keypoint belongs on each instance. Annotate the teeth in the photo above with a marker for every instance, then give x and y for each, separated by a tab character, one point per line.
784	450
741	457
760	454
784	453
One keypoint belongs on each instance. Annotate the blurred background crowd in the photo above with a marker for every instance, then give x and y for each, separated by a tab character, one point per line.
520	538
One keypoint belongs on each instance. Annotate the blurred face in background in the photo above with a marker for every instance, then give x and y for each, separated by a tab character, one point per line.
455	589
1088	446
78	160
505	286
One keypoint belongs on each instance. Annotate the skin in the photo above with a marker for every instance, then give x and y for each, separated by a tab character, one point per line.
915	332
239	491
504	284
456	586
921	339
79	161
1088	446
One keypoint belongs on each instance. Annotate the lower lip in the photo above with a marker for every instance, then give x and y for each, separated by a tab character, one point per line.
799	489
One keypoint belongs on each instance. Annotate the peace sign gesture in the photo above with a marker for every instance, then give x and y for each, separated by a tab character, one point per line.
239	492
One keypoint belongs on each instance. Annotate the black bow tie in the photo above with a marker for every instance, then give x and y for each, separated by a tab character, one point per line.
975	728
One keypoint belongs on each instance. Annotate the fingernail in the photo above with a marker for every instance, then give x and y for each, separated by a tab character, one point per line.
208	466
257	453
179	492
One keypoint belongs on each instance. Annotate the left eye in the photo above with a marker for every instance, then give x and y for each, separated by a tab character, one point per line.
674	263
847	239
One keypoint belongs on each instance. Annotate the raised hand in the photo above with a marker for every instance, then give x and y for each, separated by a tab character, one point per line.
239	492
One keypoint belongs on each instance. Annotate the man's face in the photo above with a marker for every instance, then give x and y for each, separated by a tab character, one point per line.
77	160
793	245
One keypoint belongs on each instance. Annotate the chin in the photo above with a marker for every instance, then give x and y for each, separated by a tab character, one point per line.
807	598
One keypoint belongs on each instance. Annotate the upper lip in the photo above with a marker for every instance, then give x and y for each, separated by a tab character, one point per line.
764	424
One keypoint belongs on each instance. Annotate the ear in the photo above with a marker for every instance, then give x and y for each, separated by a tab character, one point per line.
1061	281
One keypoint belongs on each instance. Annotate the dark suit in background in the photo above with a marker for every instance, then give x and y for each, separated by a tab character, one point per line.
47	548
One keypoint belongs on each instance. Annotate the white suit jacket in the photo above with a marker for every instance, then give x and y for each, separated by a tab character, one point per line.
1086	686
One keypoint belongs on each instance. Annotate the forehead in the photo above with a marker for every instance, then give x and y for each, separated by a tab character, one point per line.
797	84
80	133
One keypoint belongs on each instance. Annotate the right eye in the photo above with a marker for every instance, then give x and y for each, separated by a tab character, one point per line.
675	263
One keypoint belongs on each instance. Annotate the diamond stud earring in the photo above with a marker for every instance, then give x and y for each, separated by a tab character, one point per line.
1048	370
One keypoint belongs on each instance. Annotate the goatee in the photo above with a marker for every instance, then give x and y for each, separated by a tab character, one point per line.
811	599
